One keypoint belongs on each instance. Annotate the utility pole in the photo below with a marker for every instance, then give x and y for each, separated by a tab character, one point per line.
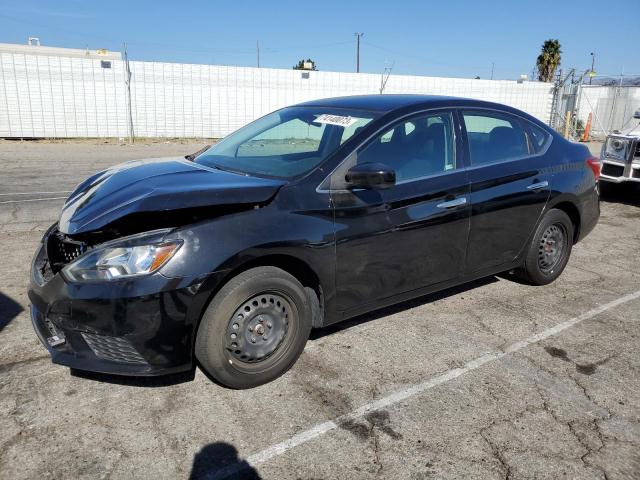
492	65
593	61
258	51
358	35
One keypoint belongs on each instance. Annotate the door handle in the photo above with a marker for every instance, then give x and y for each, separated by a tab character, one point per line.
538	186
456	202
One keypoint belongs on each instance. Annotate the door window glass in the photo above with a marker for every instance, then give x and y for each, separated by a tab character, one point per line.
414	148
494	137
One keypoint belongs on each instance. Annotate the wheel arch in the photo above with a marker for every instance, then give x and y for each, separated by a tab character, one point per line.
296	267
291	264
573	212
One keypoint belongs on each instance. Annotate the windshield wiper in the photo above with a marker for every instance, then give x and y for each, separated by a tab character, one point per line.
230	170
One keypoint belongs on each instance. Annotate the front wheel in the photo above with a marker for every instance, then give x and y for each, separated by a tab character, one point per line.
255	328
549	250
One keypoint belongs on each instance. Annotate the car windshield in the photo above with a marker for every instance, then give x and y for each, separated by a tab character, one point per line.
286	143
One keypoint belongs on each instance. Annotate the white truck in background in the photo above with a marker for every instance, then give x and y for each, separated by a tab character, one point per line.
620	155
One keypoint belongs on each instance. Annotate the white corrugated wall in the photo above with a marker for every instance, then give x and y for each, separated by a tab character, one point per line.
43	96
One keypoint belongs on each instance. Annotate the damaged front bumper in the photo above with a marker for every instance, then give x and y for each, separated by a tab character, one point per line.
141	326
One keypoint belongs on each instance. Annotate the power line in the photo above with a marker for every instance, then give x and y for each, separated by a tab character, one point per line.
424	60
304	47
169	47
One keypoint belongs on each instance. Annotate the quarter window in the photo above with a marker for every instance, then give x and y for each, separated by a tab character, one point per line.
414	148
494	137
539	137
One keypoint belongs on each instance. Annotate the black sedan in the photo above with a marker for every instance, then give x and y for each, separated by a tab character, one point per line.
308	216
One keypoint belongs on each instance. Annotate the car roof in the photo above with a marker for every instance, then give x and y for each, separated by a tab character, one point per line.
390	102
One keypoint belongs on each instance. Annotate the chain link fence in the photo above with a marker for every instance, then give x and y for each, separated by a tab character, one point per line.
608	107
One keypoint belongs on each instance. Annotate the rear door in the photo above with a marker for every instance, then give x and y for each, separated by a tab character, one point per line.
510	182
413	234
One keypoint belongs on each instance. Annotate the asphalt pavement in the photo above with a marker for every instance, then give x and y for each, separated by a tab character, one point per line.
493	379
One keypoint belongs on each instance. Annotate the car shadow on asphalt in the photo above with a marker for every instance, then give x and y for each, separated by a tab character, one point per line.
626	194
177	378
9	309
416	302
214	458
132	381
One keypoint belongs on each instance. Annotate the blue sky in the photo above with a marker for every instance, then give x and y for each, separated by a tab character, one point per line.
444	38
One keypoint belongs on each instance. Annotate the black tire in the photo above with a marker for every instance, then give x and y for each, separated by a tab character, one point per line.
230	345
549	250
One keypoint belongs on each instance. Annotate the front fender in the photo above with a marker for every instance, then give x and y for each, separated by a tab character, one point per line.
214	249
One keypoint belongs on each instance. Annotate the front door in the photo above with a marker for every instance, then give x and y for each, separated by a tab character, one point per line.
413	234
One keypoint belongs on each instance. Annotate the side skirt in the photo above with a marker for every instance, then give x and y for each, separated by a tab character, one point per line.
419	292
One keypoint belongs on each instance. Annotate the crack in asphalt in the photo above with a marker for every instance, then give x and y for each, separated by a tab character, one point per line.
593	425
571	427
498	453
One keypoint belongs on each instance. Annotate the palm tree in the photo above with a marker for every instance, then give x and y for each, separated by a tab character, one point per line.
548	60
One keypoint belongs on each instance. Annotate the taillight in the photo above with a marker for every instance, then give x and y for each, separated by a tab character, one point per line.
594	165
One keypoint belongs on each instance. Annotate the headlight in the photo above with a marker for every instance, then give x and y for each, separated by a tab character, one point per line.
617	148
109	263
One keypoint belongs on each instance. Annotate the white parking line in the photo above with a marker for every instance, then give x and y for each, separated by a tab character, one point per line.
33	200
322	428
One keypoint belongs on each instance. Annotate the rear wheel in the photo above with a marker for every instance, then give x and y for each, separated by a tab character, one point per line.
255	328
549	250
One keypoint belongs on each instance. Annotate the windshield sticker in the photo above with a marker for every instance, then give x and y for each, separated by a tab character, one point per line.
336	120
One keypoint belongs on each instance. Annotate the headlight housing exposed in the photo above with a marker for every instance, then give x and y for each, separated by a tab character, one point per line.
113	261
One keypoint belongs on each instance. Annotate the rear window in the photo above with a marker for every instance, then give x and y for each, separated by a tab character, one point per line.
494	137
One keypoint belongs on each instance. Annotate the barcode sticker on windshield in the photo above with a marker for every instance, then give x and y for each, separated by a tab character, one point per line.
336	120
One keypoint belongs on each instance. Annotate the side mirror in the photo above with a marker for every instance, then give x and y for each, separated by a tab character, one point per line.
636	114
370	176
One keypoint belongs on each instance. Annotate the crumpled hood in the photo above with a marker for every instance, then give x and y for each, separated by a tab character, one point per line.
157	185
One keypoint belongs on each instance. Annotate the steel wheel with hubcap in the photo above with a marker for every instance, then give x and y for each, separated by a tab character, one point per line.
549	250
552	247
255	328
